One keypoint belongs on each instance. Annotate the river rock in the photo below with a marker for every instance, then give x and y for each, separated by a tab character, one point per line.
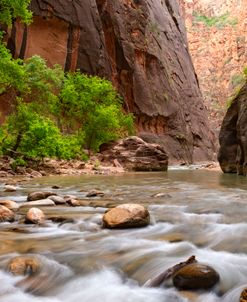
39	195
95	193
9	188
6	215
77	203
24	265
126	216
35	216
243	296
57	199
133	153
196	276
10	204
38	203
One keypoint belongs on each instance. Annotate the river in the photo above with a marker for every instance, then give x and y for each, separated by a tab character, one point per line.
199	212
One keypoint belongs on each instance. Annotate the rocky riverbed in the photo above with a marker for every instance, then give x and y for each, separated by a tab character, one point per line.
57	246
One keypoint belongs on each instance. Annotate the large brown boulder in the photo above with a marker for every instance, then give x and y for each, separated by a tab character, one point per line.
35	216
133	153
196	276
126	216
6	215
141	46
24	265
232	154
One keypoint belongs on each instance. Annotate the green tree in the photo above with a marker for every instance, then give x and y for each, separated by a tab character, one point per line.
91	105
11	9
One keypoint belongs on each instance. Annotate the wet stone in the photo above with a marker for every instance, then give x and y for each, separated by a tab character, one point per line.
12	205
243	296
196	276
6	215
35	216
39	195
24	265
126	216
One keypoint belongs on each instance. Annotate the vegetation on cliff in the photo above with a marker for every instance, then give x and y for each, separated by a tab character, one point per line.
55	114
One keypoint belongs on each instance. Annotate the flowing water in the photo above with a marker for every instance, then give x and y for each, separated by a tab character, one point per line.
201	213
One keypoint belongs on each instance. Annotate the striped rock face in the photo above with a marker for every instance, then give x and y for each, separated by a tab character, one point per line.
141	46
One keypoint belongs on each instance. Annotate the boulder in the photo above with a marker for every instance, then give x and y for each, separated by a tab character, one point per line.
12	205
24	265
57	199
39	195
135	154
77	203
126	216
195	276
6	215
38	203
35	216
243	296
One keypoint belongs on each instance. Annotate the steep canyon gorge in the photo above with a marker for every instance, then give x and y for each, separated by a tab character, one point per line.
217	36
142	47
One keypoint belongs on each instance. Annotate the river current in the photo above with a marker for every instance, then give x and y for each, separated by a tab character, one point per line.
196	212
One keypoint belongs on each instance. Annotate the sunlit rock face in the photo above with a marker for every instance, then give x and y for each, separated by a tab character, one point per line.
217	42
141	46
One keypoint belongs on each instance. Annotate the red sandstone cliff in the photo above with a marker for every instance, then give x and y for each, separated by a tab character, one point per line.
141	46
219	52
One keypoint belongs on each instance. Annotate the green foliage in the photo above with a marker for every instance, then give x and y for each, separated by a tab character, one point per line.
217	21
238	81
34	136
12	74
92	105
18	162
58	115
11	9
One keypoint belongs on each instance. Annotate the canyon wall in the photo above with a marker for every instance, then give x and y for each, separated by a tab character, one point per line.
217	36
233	136
141	46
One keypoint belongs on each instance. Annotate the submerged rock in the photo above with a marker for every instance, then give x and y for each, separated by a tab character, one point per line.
35	216
39	195
12	205
133	153
24	265
126	216
6	215
196	276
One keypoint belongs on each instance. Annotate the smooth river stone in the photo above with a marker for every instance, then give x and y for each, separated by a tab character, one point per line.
196	276
39	195
6	215
35	216
38	203
126	216
10	204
